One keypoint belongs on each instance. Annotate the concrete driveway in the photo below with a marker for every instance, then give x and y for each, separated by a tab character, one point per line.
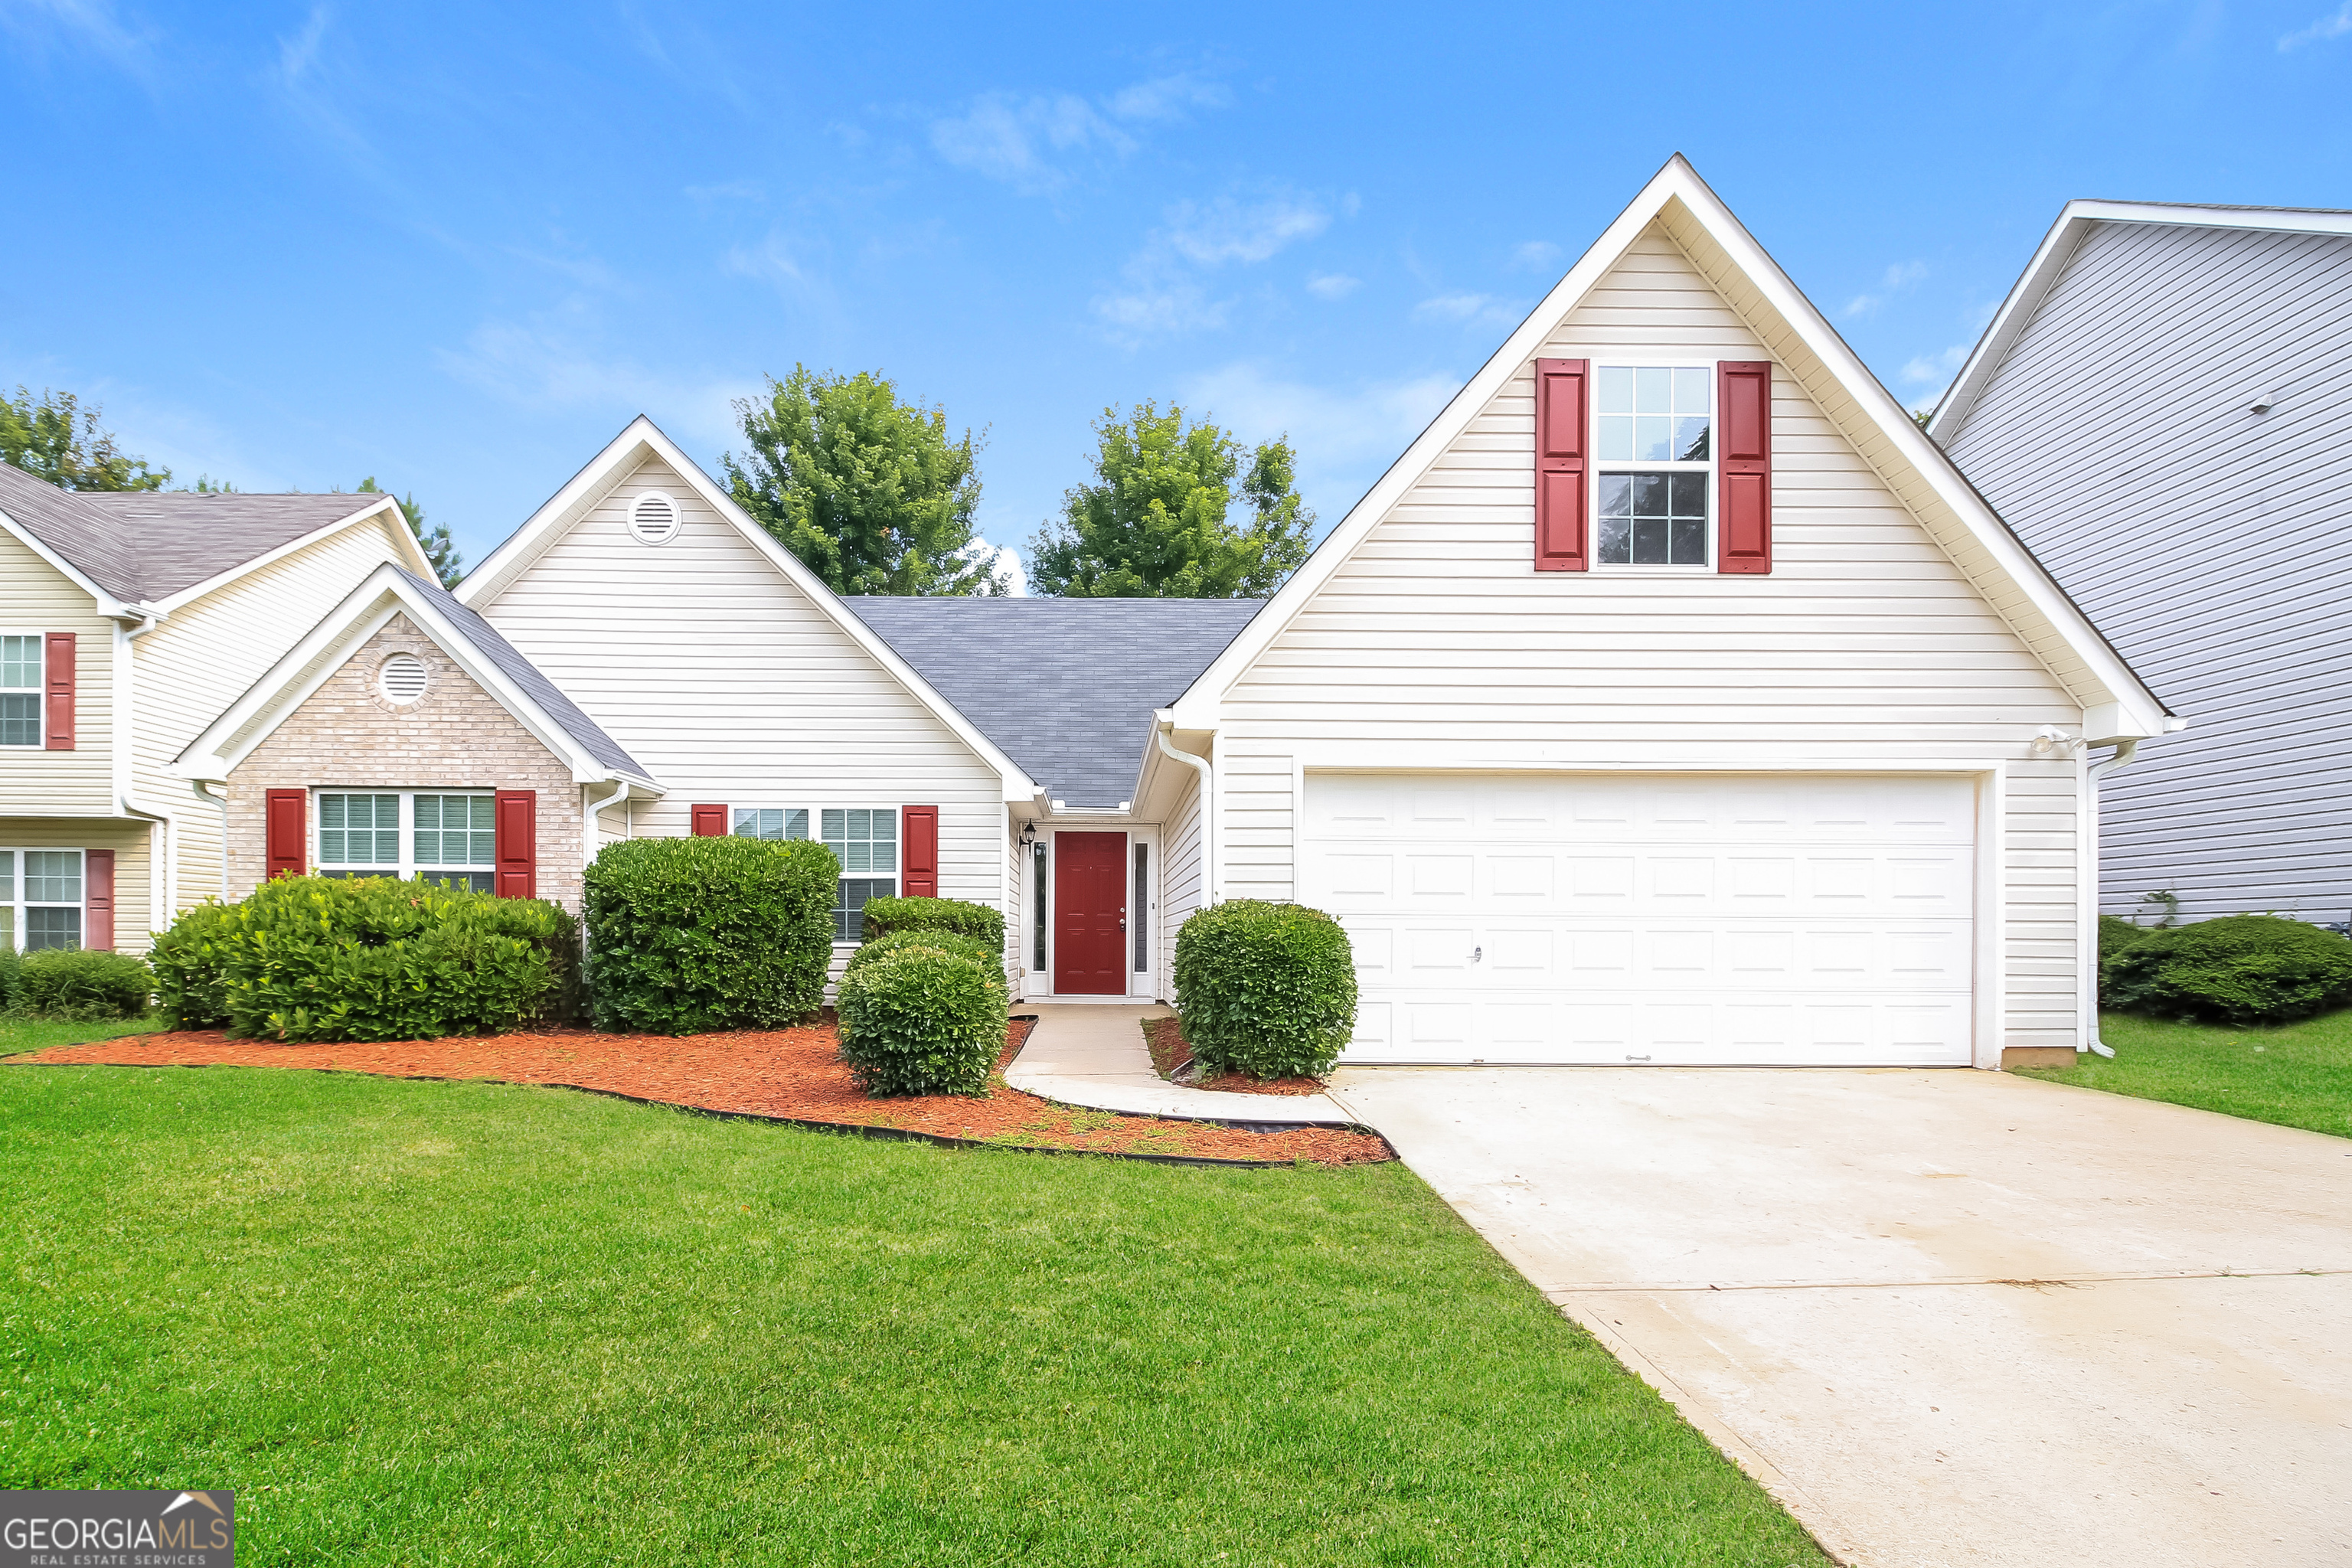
1948	1317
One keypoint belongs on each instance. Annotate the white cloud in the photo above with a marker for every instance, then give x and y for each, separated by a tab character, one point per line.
1936	367
1225	230
544	365
1534	255
1008	563
729	191
1345	438
2320	31
1332	285
1156	301
1898	278
1470	309
1012	139
1168	97
93	24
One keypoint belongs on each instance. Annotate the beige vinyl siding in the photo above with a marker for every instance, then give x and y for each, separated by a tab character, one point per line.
1436	646
725	681
204	656
133	843
36	598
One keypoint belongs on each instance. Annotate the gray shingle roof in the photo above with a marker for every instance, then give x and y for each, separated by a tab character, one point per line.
149	544
525	674
1064	687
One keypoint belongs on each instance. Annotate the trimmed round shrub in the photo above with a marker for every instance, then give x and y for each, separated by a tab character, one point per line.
2240	968
968	947
687	935
2116	933
71	983
191	963
1265	989
884	916
921	1021
368	958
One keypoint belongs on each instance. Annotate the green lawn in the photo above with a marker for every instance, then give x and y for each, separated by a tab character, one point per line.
32	1035
423	1322
2298	1075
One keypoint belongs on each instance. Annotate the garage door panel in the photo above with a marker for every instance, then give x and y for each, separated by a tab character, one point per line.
1782	920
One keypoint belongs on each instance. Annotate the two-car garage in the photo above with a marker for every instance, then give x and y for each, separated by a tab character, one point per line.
1790	919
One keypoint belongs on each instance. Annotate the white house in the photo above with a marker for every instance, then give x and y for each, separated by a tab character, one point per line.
1672	700
2198	361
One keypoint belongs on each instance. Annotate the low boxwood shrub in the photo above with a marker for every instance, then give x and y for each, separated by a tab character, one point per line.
371	958
10	965
69	982
687	935
2116	933
970	947
922	1021
1265	989
2239	969
884	916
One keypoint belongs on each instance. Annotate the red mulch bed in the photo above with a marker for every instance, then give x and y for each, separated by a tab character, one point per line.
1171	1051
788	1073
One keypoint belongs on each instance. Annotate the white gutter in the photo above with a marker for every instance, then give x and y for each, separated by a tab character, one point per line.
2087	858
1161	727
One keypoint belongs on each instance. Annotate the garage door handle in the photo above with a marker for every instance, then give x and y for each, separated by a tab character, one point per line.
1476	954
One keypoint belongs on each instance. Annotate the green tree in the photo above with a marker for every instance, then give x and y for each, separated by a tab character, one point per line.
54	437
868	490
1157	523
439	548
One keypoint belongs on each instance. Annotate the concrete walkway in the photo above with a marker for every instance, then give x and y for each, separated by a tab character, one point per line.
1093	1054
1950	1318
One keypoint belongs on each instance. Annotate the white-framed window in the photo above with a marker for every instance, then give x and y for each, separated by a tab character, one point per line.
1653	467
21	666
434	834
41	899
863	838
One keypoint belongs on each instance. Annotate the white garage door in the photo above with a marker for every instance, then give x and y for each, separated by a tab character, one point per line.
1799	919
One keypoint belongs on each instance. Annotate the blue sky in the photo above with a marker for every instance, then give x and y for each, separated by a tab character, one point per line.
458	248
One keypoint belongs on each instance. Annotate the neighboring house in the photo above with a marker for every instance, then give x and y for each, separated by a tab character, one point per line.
1670	699
2162	409
127	621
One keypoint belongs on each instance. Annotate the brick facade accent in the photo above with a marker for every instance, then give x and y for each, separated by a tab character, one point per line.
455	737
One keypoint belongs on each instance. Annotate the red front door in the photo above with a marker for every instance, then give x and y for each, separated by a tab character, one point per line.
1090	914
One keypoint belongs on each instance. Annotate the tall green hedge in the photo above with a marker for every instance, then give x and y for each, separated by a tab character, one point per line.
922	1021
1265	989
691	934
884	916
2240	968
318	958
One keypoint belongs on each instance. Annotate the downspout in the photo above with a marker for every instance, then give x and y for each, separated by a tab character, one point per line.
163	867
1208	808
221	801
2086	856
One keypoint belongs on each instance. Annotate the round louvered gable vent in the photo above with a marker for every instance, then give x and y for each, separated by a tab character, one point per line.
653	520
402	678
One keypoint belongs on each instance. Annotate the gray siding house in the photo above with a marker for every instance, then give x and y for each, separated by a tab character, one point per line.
2162	409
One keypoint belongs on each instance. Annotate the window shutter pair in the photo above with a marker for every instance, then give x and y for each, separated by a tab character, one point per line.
514	820
1743	466
919	843
57	693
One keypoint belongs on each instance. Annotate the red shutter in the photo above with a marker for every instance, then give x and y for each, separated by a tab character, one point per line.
285	832
1560	442
920	842
60	688
98	900
1744	427
710	821
515	815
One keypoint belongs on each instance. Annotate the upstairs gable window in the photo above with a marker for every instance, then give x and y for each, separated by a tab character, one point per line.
1653	440
20	691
